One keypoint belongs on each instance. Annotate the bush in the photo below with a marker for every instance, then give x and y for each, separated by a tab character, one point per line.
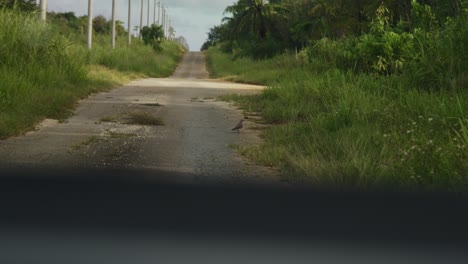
153	36
43	73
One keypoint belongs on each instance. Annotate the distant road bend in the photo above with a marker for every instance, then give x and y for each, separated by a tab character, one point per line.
195	141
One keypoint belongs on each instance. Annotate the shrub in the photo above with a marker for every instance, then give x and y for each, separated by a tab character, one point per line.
153	36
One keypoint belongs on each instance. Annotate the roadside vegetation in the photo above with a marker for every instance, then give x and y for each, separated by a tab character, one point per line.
45	67
361	94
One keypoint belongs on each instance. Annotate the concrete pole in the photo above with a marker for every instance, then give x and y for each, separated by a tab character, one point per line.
113	24
43	7
163	22
148	18
159	13
154	15
90	23
169	29
129	22
167	24
141	19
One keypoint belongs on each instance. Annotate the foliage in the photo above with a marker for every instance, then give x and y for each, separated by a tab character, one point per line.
294	25
367	94
43	72
345	130
153	36
21	5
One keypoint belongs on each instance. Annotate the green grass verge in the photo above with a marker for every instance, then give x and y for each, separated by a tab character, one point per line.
44	73
344	130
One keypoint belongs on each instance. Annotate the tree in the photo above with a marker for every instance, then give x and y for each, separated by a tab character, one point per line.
153	36
216	35
250	16
101	25
119	27
22	5
260	28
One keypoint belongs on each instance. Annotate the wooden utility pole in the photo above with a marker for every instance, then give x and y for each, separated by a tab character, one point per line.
43	7
113	24
90	23
141	19
129	22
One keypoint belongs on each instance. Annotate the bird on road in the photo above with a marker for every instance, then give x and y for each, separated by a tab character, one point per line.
239	126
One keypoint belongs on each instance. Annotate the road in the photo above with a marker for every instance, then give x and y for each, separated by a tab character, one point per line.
195	141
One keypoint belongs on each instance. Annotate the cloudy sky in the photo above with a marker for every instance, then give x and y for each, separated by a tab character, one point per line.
190	18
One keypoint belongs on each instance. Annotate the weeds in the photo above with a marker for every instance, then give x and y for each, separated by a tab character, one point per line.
43	73
144	118
153	104
108	119
84	143
348	130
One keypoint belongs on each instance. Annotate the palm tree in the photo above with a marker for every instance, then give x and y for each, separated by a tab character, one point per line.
250	16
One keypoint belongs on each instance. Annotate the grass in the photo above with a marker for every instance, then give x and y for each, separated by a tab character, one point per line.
345	130
196	100
144	118
86	142
43	73
108	119
138	59
153	104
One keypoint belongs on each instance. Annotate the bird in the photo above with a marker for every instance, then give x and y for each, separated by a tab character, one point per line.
239	126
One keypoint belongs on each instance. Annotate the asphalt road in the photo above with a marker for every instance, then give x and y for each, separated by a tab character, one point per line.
195	143
88	208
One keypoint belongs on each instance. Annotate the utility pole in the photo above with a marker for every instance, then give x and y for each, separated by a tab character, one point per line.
129	22
159	13
148	18
167	25
154	15
141	19
163	22
169	31
90	23
43	7
113	24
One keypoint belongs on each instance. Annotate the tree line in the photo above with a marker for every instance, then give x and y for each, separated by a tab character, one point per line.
262	28
66	21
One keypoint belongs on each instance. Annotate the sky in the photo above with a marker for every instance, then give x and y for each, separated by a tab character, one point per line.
191	19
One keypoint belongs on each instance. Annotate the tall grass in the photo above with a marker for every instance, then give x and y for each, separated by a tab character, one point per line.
140	58
43	73
341	129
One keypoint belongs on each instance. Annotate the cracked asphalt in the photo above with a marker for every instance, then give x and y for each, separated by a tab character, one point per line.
195	141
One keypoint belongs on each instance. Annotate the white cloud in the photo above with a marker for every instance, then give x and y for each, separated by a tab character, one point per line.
190	18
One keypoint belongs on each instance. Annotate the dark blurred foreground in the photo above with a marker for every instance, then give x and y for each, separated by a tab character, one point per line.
124	216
